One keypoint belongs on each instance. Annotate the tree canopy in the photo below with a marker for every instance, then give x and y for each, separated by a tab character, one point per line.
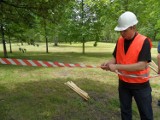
73	20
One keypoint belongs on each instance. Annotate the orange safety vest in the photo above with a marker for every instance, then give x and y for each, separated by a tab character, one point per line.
131	57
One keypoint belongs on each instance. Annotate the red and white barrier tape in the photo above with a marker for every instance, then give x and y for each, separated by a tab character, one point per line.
136	76
38	63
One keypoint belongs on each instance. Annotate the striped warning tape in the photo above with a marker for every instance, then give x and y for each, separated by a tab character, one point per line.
39	63
136	76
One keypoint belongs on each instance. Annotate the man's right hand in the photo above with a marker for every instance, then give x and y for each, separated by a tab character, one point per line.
105	66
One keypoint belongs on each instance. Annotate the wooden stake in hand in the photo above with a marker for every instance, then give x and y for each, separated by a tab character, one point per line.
153	66
155	70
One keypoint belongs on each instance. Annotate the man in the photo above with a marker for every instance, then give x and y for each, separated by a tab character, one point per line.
130	58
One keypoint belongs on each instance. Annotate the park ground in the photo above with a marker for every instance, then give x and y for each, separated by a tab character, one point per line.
39	93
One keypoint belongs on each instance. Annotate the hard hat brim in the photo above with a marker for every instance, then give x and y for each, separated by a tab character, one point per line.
118	28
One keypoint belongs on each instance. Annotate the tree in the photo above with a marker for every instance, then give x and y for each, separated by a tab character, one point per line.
23	13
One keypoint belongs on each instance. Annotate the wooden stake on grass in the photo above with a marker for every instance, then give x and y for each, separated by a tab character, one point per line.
82	91
79	91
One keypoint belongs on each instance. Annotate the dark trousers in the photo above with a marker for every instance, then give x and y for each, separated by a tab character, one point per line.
143	100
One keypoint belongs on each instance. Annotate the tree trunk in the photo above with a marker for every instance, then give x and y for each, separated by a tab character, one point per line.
4	42
55	41
10	45
154	37
83	39
46	42
45	30
83	45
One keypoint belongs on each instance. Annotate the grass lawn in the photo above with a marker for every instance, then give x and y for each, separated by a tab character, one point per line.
39	93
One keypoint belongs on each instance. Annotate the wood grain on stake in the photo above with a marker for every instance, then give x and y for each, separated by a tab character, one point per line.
153	69
79	91
154	64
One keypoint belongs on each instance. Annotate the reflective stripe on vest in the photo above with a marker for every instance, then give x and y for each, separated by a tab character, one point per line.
130	57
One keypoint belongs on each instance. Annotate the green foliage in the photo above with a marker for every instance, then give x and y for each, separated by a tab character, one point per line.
67	21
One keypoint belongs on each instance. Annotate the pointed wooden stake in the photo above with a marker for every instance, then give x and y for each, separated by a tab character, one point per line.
79	91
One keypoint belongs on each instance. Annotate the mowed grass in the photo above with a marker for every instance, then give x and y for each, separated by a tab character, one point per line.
39	93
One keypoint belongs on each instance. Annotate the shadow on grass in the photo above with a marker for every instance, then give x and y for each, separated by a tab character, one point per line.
52	100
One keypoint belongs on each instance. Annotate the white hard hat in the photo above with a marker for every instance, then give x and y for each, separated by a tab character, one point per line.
125	21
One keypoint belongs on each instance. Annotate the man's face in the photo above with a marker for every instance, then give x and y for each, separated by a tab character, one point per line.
128	33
